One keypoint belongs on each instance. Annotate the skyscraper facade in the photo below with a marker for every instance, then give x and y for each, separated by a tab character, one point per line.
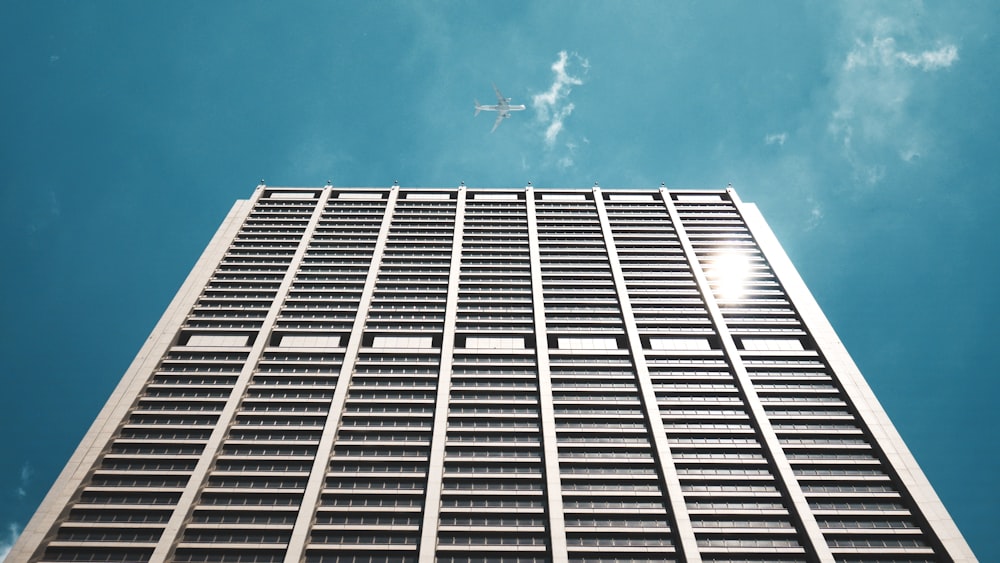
517	375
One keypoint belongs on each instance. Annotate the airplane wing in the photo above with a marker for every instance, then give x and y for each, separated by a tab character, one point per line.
497	122
502	100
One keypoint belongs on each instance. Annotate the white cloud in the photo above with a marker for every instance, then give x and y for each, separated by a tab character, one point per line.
552	131
775	138
22	486
882	52
7	541
931	60
815	216
551	107
872	119
909	154
878	53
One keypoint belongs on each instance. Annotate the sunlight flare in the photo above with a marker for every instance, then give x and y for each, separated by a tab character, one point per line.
728	273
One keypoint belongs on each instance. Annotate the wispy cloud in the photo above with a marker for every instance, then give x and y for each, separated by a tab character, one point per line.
882	52
872	120
8	539
931	60
815	215
10	535
552	107
775	138
22	486
909	155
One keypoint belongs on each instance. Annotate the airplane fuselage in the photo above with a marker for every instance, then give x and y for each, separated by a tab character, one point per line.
500	108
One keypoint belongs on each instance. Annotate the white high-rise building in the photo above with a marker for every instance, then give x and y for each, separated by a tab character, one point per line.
516	375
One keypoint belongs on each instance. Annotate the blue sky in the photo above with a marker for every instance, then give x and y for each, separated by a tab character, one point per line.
867	132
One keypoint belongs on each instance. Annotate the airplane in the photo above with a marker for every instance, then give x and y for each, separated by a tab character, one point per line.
503	108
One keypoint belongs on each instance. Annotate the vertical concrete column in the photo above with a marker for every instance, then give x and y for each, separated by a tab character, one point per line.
164	548
783	469
683	533
317	475
550	450
435	467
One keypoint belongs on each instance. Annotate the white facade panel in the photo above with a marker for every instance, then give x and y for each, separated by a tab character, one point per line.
225	340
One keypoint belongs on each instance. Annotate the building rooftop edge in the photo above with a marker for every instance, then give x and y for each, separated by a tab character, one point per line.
498	188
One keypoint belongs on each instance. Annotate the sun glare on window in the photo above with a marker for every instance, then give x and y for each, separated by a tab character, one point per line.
728	273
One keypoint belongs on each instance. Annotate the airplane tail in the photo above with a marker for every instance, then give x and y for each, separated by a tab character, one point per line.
477	106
